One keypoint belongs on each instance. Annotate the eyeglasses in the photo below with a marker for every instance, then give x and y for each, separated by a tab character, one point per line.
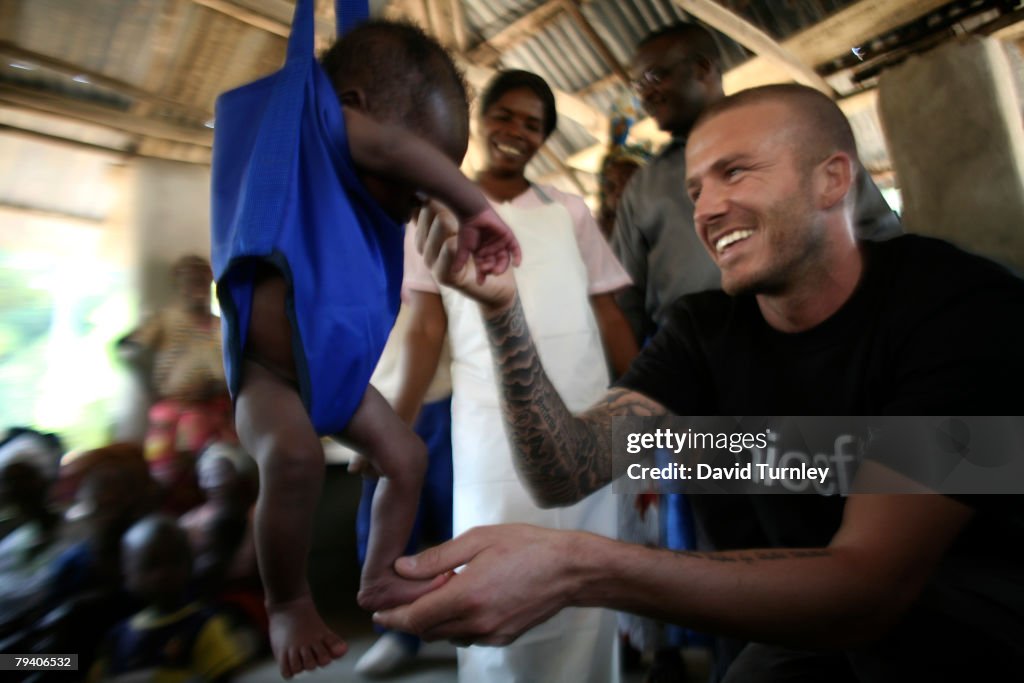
654	76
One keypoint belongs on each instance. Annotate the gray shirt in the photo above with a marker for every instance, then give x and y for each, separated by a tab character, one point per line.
656	242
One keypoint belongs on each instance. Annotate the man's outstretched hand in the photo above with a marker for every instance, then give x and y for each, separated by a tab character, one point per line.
515	577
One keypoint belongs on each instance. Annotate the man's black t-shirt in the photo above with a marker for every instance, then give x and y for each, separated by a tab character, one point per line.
930	330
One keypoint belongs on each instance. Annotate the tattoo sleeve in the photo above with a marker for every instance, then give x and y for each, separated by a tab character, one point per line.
561	458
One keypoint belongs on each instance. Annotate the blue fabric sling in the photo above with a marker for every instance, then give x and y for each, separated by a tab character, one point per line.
285	192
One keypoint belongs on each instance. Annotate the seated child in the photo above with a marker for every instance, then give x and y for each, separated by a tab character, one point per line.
115	491
28	464
307	316
170	638
220	534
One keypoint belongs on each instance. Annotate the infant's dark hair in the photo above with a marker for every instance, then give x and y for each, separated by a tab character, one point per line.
399	68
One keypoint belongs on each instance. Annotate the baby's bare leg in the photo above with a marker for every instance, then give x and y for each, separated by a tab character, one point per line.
274	427
400	457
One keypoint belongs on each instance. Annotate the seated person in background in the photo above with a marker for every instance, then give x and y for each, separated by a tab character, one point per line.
617	168
86	594
77	466
220	534
307	317
170	638
28	466
622	160
30	460
191	407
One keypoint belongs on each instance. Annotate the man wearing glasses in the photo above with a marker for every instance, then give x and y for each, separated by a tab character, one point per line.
676	73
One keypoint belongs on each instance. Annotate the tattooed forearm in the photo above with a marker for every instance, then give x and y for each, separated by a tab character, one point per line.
752	556
561	458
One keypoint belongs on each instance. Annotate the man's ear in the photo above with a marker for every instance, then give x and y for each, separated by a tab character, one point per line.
706	71
835	175
353	97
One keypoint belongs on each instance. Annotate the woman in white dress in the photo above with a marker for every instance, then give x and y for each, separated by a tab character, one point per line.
566	283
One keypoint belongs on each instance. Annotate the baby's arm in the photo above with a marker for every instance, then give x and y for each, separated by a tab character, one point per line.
393	152
400	457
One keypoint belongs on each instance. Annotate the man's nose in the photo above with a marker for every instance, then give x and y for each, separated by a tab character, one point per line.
710	204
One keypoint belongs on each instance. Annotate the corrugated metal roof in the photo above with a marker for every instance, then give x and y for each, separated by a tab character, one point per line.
110	36
174	56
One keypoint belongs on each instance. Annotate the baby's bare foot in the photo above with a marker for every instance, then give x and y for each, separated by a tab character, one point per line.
300	639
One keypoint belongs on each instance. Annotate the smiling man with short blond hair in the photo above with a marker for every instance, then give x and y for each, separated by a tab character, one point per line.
863	587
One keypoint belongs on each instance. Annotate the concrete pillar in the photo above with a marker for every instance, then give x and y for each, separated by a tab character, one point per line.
170	218
953	121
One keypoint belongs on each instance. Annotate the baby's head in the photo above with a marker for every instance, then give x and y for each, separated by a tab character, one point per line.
156	560
398	74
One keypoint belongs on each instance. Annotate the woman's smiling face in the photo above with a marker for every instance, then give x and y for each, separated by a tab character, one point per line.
513	130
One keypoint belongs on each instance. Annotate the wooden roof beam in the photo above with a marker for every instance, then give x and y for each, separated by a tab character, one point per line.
460	31
835	35
409	10
439	21
1009	26
247	16
96	78
445	20
174	151
261	21
16	208
113	152
35	100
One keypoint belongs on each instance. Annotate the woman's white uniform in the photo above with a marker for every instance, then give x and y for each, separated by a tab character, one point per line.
554	287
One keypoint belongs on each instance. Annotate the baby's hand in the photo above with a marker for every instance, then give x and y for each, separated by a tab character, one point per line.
384	591
491	243
300	639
